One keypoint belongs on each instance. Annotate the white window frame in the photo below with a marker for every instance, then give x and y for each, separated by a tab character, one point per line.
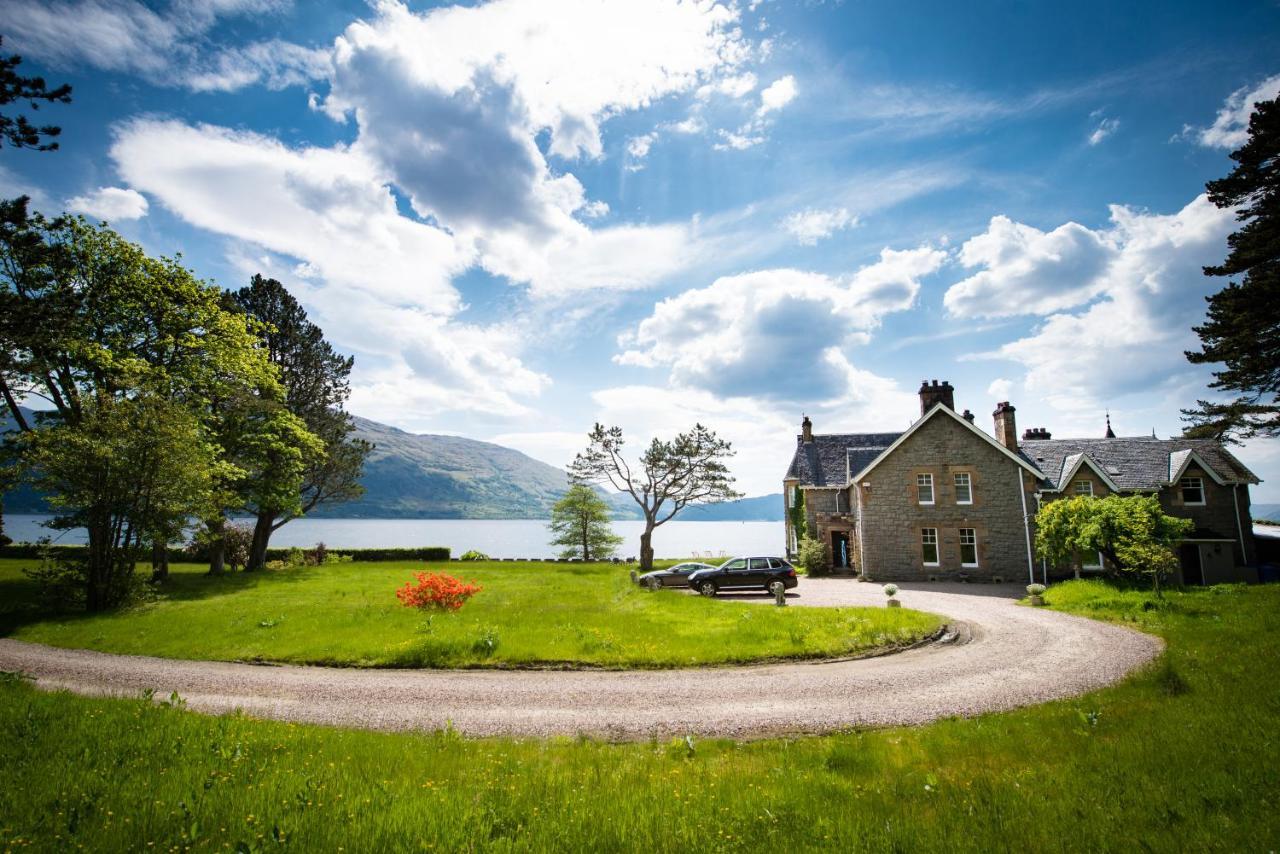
968	486
1093	566
925	534
1086	483
973	532
923	480
1183	485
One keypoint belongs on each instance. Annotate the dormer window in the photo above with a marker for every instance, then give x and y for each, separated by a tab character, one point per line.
1084	487
964	488
1192	490
924	488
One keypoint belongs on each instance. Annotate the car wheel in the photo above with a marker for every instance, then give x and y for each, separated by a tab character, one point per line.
707	588
654	583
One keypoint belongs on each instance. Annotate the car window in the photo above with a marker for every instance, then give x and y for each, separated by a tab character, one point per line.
759	563
775	563
736	564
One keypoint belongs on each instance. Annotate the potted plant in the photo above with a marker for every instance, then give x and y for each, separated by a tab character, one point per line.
891	590
1036	592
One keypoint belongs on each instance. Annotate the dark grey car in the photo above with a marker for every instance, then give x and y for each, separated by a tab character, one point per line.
676	576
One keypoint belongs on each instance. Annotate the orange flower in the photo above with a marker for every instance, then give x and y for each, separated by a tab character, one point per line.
440	591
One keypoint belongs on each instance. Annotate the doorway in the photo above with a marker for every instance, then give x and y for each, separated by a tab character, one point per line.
840	550
1192	568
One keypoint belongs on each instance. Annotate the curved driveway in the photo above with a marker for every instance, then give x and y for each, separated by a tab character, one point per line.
1003	656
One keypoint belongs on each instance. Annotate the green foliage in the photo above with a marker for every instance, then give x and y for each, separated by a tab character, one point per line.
547	614
1132	531
799	521
813	558
1146	765
580	523
136	355
1242	332
472	554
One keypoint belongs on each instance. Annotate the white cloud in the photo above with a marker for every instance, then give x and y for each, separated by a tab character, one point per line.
1149	292
556	448
738	140
776	333
168	48
1105	128
814	224
1028	271
1230	129
780	93
637	150
1000	389
110	203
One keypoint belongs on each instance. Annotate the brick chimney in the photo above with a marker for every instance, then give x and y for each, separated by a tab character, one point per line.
968	416
1036	433
1006	425
933	393
806	430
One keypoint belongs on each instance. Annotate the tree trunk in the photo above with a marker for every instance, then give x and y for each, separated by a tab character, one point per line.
262	530
159	560
97	595
646	548
217	546
586	545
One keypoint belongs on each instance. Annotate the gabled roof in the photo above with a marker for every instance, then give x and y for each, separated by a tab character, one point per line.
1139	463
946	411
1071	464
825	461
1179	460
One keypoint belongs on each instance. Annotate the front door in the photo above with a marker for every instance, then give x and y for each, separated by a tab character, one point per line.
840	549
1192	569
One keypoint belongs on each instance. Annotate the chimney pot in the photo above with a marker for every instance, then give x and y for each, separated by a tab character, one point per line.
1006	425
806	429
933	393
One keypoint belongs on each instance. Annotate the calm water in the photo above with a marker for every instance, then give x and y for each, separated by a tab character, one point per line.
496	538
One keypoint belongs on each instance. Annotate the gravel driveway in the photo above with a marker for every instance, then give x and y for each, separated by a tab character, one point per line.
1003	656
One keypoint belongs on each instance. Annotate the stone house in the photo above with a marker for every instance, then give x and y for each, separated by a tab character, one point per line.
944	499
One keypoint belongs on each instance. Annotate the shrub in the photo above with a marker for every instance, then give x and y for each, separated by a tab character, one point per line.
812	557
1035	589
276	564
472	554
891	590
318	556
295	557
238	540
436	590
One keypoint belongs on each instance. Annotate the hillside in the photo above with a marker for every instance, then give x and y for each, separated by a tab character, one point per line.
427	476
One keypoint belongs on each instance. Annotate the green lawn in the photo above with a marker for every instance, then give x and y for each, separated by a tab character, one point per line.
528	614
1183	757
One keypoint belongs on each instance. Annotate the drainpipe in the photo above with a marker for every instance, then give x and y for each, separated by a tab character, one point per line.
862	544
1235	499
1026	526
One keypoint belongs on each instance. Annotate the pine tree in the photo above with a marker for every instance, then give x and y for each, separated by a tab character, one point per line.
1243	328
580	521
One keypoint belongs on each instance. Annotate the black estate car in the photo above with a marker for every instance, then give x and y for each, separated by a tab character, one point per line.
676	576
760	573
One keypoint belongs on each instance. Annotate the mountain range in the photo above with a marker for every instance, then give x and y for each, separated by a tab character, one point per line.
429	476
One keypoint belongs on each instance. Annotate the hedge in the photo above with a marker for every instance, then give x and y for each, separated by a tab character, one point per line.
441	553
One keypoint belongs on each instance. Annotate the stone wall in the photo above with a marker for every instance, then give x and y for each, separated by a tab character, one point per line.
1217	514
893	518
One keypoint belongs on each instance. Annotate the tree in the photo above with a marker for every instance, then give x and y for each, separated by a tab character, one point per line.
799	521
688	469
580	521
18	131
1131	531
1243	327
315	381
109	338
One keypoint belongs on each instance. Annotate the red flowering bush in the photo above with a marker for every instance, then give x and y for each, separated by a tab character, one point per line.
433	590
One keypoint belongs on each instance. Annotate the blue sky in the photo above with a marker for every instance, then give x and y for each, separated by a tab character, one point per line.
529	215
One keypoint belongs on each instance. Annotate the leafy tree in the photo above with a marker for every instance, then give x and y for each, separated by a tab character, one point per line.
17	130
315	381
1243	327
1131	531
95	328
688	469
580	522
799	524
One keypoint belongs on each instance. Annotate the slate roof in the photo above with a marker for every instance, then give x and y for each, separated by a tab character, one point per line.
1133	463
829	458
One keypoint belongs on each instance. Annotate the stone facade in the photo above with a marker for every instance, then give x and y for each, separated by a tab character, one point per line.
894	520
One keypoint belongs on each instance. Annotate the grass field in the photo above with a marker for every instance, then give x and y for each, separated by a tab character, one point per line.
528	614
1183	757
